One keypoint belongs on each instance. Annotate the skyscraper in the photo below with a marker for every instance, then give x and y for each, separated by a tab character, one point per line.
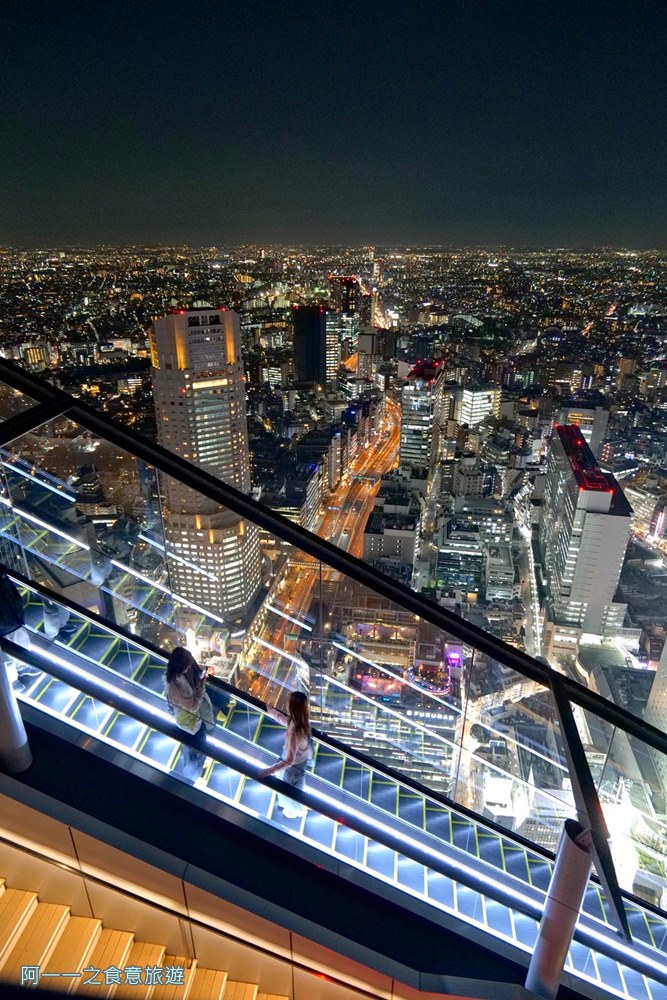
584	533
316	346
592	421
345	293
199	392
421	400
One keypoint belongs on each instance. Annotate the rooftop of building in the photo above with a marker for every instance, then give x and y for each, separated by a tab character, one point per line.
587	473
426	371
379	521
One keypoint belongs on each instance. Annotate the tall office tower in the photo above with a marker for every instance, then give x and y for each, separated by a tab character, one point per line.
371	347
584	532
199	392
421	400
475	405
345	292
592	420
342	330
316	347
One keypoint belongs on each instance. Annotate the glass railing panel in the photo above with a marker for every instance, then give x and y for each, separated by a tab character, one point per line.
631	780
13	402
512	766
439	712
84	519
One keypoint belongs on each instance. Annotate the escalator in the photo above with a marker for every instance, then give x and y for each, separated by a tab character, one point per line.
107	684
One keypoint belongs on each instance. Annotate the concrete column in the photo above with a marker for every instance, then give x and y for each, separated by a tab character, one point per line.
15	753
561	910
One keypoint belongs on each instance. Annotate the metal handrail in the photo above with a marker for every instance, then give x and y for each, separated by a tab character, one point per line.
322	550
563	689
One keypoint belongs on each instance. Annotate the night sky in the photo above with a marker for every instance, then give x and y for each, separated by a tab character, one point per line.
472	122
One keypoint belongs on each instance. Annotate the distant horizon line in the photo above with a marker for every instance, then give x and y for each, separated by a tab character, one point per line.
501	248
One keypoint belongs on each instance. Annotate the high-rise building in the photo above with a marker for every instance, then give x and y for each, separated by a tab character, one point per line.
345	293
460	558
199	392
316	346
584	533
371	348
421	400
592	420
476	404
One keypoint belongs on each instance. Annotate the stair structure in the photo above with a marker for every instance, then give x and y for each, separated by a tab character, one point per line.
78	955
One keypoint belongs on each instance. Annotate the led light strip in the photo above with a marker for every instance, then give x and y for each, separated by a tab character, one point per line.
276	611
35	479
169	554
281	652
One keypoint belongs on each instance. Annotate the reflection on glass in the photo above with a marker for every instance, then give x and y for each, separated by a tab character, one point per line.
13	402
631	781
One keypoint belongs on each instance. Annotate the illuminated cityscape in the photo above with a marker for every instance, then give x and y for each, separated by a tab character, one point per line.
333	500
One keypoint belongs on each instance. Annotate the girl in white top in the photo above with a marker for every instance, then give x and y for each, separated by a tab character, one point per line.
297	750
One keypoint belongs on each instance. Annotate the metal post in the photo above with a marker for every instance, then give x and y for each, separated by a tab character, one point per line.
561	910
15	753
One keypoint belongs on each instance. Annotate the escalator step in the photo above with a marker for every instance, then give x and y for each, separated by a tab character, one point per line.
256	796
356	779
526	929
438	823
159	747
91	713
463	835
57	695
516	862
540	873
329	767
489	848
637	987
125	730
470	903
411	809
581	958
320	829
610	973
384	794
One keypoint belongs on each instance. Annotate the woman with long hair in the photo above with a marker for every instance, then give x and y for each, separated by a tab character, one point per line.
297	750
185	690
